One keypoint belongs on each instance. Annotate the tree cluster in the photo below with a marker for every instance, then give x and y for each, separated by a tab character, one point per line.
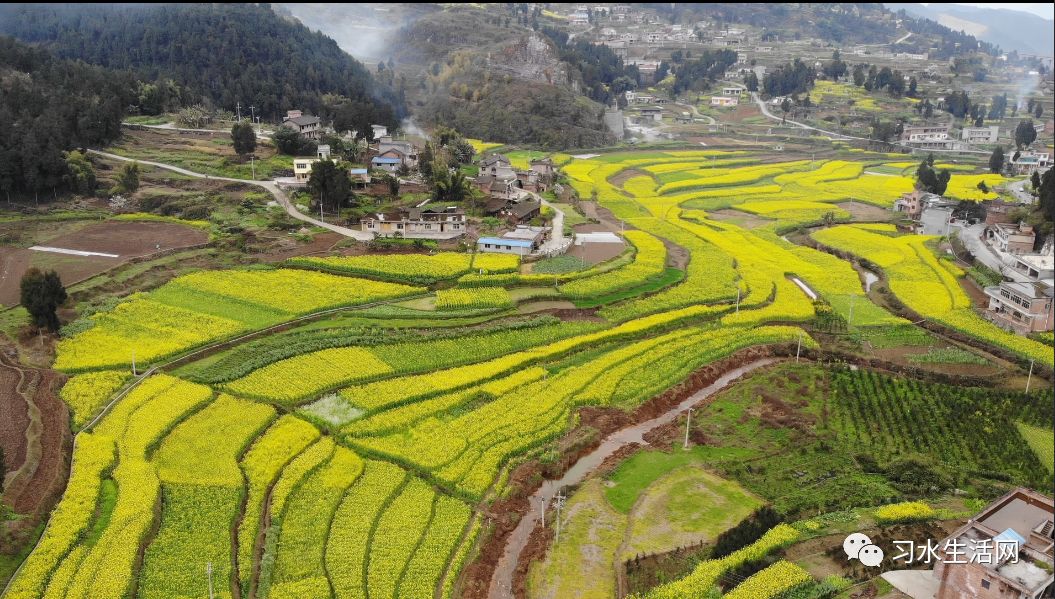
49	106
794	78
1025	133
600	70
703	70
929	179
219	54
41	295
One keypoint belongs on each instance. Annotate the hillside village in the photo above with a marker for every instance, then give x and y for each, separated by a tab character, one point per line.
525	300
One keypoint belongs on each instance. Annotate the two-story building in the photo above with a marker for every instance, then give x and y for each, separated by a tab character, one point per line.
1022	307
927	136
725	101
406	152
417	223
308	126
1028	163
302	168
1004	552
1011	238
980	135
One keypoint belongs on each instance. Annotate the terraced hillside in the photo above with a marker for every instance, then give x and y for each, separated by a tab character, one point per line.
344	426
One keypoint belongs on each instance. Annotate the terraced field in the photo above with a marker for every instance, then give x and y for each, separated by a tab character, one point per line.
359	453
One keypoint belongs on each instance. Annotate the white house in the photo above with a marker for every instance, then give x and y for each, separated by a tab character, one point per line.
302	168
724	101
980	135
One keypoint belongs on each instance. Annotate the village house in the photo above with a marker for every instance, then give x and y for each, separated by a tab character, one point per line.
724	101
1035	267
308	126
650	113
521	212
912	203
1031	162
389	164
1022	307
732	91
417	223
379	131
523	240
530	180
1011	238
998	212
927	136
302	168
497	245
545	168
405	151
360	177
980	135
1020	523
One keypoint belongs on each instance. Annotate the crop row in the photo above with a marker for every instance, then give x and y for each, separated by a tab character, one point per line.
87	393
149	327
926	287
479	298
771	582
300	377
650	260
348	545
415	269
697	585
263	462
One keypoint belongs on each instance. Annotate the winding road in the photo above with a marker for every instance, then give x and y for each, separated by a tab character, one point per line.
841	136
502	579
272	188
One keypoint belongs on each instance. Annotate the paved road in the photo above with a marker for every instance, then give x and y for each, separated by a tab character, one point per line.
841	136
971	237
260	133
556	237
696	113
270	186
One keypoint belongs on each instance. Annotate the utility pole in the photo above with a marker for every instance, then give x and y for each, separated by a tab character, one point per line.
1029	379
321	217
737	299
798	348
688	419
252	163
238	108
208	572
252	114
560	507
543	500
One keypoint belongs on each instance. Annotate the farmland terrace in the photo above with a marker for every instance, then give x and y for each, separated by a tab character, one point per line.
382	437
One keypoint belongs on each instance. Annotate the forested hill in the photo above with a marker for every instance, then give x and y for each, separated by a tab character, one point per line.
221	54
47	106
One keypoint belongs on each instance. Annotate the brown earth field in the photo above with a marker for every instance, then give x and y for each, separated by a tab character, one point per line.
127	239
34	482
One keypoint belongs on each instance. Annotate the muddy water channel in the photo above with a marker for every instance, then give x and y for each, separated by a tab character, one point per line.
502	579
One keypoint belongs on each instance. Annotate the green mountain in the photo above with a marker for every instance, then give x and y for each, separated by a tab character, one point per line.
220	54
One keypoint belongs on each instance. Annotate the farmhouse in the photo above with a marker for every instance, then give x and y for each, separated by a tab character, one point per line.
302	168
402	149
308	126
650	113
389	164
980	135
498	245
724	101
1036	267
1011	239
1021	521
1031	162
927	136
732	91
417	223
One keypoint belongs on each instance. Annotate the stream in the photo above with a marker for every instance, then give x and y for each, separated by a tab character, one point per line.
502	579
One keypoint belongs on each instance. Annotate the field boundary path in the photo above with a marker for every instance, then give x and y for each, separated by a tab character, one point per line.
270	186
502	579
842	136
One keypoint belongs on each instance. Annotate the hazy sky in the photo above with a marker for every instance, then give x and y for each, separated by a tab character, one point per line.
1045	10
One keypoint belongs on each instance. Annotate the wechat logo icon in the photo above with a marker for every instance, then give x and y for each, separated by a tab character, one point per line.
858	546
